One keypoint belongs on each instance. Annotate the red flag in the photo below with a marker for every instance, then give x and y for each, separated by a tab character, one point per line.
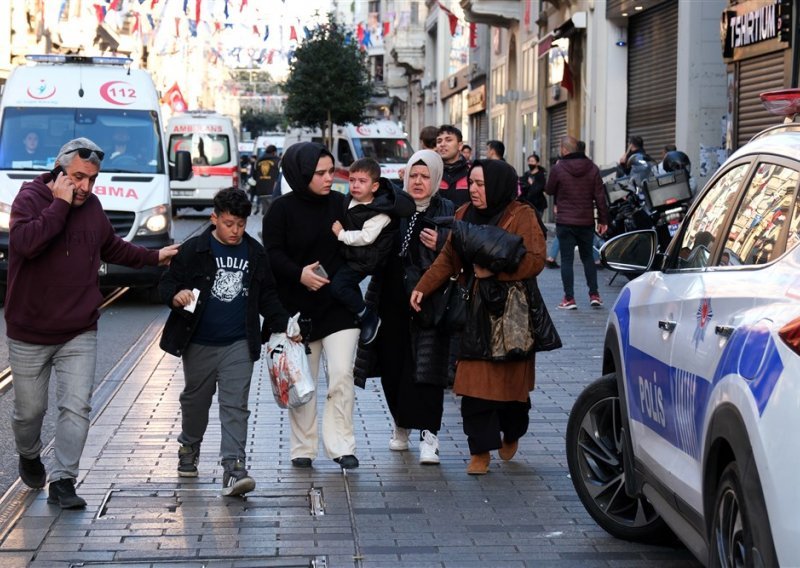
114	4
473	35
255	30
177	27
197	11
385	29
217	26
566	79
153	3
174	98
100	12
453	22
244	3
135	22
292	33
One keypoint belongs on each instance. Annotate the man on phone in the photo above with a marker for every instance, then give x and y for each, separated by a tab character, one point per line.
58	236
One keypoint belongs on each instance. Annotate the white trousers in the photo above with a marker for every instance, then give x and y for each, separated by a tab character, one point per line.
337	418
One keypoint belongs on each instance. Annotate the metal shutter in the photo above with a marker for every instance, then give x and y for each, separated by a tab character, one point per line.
556	130
756	75
652	76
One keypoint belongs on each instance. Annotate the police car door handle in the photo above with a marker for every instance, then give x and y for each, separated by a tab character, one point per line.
668	326
723	330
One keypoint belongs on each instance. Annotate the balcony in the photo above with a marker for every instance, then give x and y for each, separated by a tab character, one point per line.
498	13
408	48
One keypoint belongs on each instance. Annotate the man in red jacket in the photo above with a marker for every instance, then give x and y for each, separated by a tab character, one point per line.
576	185
58	236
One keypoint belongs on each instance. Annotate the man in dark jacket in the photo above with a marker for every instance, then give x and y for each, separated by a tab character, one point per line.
454	181
576	185
58	236
218	285
265	173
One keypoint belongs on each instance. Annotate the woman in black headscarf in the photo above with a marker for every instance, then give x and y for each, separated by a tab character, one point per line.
298	238
495	393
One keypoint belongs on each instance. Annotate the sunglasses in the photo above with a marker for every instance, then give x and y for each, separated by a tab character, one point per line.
86	153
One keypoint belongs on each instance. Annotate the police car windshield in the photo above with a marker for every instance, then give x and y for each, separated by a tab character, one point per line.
383	150
130	139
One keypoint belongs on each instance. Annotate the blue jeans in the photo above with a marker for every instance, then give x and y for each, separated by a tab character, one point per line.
570	236
75	362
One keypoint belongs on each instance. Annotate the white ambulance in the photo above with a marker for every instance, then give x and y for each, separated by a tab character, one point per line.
211	139
382	140
57	98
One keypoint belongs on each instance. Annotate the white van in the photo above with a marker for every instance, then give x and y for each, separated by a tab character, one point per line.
61	97
270	138
382	140
212	142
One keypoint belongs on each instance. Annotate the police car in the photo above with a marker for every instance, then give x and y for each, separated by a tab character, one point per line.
694	426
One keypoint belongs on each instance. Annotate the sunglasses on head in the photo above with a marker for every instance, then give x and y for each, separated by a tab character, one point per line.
86	153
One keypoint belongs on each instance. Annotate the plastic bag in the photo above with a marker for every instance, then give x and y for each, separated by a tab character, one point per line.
289	371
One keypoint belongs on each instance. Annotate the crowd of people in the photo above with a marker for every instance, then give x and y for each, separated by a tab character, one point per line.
452	301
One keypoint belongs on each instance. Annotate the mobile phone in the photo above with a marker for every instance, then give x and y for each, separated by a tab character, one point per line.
320	271
55	171
429	224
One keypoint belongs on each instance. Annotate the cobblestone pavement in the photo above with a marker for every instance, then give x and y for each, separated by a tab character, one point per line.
389	512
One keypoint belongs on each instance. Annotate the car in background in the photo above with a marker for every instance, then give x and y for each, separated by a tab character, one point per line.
691	429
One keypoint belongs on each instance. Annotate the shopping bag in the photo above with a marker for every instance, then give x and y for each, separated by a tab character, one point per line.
289	371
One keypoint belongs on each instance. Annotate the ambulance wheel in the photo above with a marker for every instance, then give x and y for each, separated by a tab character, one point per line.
740	535
597	468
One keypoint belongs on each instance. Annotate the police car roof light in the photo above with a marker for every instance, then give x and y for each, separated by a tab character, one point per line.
784	102
790	333
80	59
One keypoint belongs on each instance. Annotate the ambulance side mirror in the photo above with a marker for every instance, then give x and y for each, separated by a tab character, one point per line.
182	169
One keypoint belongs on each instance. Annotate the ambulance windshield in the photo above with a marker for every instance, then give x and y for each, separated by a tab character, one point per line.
31	137
384	150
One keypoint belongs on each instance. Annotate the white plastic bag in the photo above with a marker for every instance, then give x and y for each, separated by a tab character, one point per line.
289	371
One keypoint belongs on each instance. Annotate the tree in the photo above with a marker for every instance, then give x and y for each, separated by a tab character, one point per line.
257	122
328	81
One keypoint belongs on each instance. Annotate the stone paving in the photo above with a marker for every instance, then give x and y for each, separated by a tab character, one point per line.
391	511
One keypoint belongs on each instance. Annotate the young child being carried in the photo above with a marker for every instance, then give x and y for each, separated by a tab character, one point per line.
369	232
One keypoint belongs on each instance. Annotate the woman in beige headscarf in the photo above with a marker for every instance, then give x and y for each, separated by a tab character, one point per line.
410	354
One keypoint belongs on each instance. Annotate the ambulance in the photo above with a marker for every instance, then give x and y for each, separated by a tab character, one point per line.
382	140
211	140
57	98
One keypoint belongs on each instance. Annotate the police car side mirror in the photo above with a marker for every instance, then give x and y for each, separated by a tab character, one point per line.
630	253
182	169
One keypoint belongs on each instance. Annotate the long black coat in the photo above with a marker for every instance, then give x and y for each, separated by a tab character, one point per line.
402	345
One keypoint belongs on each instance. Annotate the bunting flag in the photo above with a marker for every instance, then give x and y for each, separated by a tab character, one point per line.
100	12
292	34
473	35
114	4
385	29
177	27
174	98
307	32
136	26
255	30
266	33
192	28
244	3
566	79
197	11
451	17
185	6
153	4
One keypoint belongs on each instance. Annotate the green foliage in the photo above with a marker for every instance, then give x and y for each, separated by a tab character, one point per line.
257	122
328	79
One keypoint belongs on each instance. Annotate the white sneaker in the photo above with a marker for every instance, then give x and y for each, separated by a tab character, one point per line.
429	448
399	441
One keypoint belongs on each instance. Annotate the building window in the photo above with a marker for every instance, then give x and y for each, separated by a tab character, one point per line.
498	127
373	6
529	70
414	13
499	84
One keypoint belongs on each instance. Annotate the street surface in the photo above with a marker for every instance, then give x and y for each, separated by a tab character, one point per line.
389	512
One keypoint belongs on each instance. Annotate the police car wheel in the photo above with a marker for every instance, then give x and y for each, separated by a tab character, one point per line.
740	534
597	468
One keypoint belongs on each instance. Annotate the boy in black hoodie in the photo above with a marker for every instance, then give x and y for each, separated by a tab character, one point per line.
368	234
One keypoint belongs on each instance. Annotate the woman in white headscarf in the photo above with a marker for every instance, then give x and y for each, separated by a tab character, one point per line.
410	353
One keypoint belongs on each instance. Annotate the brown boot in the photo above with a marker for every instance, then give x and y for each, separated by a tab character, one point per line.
508	450
479	464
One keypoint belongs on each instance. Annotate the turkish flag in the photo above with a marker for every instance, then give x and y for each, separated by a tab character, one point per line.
174	98
566	79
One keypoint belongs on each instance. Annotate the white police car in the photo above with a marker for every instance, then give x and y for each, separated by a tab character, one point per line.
695	425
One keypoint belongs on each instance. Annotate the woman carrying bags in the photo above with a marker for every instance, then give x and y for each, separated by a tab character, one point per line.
494	386
304	255
410	354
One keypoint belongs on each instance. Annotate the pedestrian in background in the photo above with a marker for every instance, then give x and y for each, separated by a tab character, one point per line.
298	238
265	173
217	287
495	150
427	138
411	354
495	394
58	236
532	184
466	151
454	178
577	189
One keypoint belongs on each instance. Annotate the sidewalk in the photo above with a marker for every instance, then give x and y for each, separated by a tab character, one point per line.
389	512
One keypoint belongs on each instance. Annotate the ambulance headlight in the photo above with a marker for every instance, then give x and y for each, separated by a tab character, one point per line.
5	216
154	221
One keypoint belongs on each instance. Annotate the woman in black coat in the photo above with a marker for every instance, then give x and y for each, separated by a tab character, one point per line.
298	238
410	354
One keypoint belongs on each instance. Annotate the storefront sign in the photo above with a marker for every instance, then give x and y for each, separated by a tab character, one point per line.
476	100
754	27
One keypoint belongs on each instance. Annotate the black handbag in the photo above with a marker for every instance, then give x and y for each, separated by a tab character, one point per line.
451	314
545	335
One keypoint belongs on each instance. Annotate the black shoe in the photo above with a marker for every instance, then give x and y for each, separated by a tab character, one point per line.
32	473
62	493
551	264
347	462
188	456
235	480
301	462
370	324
